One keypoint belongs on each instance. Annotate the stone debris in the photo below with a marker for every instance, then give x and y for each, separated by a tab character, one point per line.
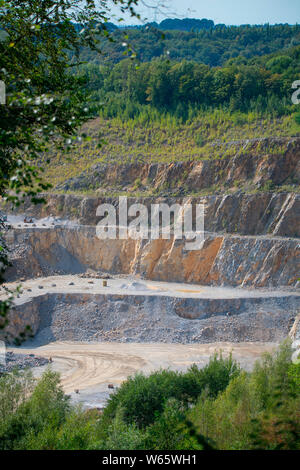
144	318
90	273
21	361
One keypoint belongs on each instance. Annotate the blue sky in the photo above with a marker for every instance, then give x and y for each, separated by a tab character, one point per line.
227	11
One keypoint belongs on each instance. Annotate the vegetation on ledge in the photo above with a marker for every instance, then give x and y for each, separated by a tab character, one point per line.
163	140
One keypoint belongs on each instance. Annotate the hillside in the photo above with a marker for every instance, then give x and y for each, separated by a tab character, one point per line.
164	112
217	140
212	45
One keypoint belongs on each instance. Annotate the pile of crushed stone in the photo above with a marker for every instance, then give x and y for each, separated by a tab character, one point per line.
91	274
156	319
21	361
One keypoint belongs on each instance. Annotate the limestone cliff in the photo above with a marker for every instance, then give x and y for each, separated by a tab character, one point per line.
276	214
251	240
140	318
224	259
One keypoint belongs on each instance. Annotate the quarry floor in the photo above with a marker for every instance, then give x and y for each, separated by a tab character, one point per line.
87	369
128	285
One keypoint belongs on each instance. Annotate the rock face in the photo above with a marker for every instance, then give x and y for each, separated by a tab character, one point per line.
250	163
140	318
224	259
251	240
276	214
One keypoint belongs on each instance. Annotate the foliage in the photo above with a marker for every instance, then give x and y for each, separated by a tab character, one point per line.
142	398
36	418
216	375
170	431
195	84
257	410
294	376
39	44
14	389
166	111
209	45
123	436
39	415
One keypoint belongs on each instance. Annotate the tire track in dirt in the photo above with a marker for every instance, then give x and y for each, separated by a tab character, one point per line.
86	366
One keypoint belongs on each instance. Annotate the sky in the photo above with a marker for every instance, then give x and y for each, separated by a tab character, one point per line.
230	12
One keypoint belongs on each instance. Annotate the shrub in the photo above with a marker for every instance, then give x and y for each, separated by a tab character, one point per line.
216	375
33	425
227	419
297	118
258	410
170	430
14	389
143	398
123	436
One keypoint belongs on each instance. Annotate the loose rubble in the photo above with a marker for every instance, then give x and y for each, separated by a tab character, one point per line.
21	361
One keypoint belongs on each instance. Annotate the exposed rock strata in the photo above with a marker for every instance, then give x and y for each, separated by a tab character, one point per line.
276	214
223	260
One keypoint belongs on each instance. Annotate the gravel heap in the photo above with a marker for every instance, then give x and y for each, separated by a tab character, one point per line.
91	274
21	361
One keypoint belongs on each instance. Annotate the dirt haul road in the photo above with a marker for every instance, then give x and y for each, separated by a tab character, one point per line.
89	368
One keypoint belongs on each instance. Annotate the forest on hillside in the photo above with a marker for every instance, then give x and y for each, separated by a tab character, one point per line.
260	84
166	110
211	45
